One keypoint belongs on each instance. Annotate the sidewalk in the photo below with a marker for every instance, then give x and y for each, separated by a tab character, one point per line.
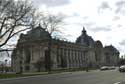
37	74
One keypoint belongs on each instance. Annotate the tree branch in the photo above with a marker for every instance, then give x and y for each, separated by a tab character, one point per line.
19	32
1	28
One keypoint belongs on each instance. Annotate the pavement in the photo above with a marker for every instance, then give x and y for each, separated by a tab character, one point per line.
81	77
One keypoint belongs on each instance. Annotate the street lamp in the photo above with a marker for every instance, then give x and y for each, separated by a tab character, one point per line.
49	54
86	61
6	65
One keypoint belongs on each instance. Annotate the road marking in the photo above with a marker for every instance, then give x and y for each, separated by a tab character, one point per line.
117	83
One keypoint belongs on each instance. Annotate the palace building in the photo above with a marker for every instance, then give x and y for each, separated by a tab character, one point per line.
36	50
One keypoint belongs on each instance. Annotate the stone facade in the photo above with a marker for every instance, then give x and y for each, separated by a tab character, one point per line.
37	44
111	55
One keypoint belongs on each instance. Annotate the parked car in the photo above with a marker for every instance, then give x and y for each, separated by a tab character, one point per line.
104	68
112	67
122	68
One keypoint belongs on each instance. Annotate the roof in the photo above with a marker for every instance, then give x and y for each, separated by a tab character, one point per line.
85	39
98	44
37	33
111	48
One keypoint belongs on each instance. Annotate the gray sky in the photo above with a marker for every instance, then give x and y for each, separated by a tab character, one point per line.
103	19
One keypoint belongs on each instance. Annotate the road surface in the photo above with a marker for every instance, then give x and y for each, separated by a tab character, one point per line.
92	77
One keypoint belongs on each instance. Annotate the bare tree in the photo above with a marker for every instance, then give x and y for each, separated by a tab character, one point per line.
52	23
15	17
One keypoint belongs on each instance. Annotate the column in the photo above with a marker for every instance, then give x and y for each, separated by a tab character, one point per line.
62	59
80	59
71	59
77	59
58	57
67	58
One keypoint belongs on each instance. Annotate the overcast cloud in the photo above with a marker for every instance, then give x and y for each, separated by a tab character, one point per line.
122	43
50	3
97	29
103	19
104	5
120	7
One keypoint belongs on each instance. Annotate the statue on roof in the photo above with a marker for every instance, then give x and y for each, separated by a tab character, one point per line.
83	31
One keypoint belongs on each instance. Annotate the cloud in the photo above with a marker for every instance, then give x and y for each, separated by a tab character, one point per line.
75	14
97	29
116	18
85	17
104	5
51	3
89	24
119	25
122	43
120	7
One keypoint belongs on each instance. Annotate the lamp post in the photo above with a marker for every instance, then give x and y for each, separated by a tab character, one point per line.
86	61
87	65
49	54
5	65
20	62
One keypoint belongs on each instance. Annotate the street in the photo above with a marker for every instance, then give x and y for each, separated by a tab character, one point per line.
82	77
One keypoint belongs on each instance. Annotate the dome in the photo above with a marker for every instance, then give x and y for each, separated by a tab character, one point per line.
111	48
37	33
84	39
98	44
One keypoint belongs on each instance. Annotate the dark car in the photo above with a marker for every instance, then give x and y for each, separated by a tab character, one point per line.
122	68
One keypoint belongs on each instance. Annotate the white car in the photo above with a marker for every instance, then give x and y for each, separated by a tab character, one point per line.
104	68
122	68
112	67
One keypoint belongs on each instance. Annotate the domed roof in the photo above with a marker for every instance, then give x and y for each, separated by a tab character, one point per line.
98	44
37	33
85	40
111	48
